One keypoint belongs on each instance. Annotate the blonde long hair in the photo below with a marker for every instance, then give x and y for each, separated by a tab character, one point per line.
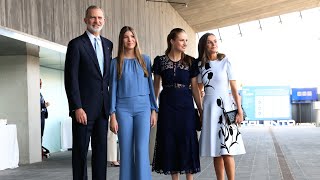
137	52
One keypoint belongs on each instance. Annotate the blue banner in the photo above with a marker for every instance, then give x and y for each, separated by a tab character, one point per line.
266	102
304	95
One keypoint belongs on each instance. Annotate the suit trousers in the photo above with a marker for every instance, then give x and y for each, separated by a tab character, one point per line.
133	116
43	121
97	130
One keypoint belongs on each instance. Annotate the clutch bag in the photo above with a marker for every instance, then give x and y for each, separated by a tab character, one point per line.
231	115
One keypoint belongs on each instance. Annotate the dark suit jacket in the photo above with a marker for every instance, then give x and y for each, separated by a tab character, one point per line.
84	84
43	108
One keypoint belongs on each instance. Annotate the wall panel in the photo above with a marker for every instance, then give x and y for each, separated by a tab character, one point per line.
61	20
3	21
14	14
58	25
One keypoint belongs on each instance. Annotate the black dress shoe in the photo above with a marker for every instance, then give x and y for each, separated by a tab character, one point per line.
112	164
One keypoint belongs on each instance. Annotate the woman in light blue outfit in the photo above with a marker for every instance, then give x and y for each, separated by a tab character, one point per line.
133	106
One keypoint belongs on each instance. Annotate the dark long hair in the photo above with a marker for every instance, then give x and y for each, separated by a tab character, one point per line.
202	49
186	60
137	52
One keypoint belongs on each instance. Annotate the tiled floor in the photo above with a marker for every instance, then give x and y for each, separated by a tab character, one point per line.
299	145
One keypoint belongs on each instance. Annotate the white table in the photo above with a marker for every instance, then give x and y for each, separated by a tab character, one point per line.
9	149
66	135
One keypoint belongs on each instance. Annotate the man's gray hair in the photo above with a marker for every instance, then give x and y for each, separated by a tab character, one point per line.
92	7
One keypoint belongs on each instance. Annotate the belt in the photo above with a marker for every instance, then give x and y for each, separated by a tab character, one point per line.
175	85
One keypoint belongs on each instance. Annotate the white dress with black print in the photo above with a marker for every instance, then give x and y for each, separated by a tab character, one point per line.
217	136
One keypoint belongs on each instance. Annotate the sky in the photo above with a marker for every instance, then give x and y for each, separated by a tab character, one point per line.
280	50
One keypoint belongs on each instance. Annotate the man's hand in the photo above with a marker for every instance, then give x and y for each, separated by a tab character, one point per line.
81	116
47	104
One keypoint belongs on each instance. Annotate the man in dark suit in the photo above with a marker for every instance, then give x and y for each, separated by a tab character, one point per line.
86	82
43	111
44	115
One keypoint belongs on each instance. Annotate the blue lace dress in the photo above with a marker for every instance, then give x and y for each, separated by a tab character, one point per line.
177	147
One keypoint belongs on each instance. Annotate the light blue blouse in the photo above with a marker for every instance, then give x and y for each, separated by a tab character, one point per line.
132	82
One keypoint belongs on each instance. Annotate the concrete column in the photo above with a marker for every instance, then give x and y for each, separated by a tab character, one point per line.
316	113
20	99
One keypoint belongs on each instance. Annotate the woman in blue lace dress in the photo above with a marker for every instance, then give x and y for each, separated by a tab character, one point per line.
219	139
177	147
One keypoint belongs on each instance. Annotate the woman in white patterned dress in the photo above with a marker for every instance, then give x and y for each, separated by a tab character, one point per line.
219	139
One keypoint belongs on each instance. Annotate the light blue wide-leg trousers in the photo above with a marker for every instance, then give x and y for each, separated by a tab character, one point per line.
133	116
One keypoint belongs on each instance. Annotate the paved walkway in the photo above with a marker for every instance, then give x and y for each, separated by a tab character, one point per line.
273	153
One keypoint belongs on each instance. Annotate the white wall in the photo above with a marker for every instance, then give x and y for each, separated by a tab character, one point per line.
54	93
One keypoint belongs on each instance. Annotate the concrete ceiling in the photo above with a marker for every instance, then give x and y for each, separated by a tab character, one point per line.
9	46
51	59
47	57
203	15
